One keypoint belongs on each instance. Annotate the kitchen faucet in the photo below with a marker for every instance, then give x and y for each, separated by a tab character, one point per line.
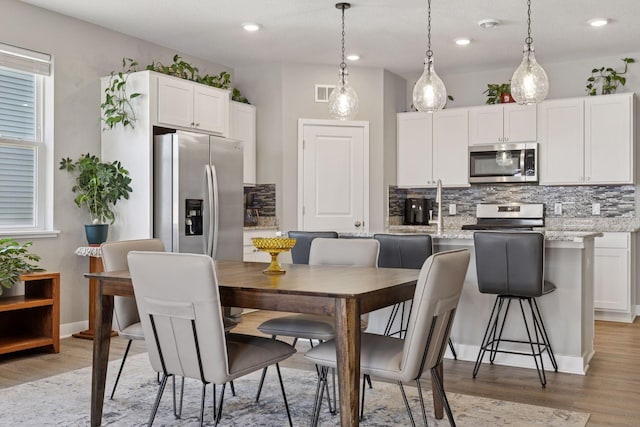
439	202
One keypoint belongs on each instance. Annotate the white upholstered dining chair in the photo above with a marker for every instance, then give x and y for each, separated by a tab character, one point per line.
184	326
435	302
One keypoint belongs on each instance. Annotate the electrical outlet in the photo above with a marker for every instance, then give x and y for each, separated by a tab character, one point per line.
452	209
595	209
557	209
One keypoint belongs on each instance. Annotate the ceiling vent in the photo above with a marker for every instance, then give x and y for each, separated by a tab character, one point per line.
323	92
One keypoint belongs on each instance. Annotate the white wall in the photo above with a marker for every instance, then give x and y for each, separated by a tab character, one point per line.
82	53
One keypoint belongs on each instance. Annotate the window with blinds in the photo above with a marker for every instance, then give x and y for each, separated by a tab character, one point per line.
21	138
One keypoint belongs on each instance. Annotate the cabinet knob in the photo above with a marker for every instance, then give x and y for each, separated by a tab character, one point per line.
588	178
357	224
192	124
197	124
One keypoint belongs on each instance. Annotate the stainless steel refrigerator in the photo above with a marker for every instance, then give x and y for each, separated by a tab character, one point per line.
198	194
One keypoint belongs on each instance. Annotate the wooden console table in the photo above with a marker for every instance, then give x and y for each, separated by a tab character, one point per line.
32	320
95	266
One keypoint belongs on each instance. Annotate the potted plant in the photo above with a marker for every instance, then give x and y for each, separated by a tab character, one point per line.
99	186
15	260
607	79
498	93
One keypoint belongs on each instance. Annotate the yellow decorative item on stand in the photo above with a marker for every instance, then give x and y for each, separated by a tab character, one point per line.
274	246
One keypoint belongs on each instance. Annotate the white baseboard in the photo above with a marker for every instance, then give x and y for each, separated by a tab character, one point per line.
68	329
613	316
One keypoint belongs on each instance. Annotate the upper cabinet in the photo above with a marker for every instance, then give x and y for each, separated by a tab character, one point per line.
243	128
496	124
185	104
432	147
587	140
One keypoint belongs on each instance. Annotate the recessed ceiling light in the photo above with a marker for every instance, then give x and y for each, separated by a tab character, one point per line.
462	41
251	27
488	23
598	22
353	57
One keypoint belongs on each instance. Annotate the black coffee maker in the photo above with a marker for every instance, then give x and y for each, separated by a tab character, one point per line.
416	211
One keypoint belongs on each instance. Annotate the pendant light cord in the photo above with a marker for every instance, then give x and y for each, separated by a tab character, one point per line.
529	40
429	51
343	65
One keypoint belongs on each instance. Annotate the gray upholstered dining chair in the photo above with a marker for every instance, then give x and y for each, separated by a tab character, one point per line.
184	327
404	251
510	265
323	251
300	251
114	258
435	300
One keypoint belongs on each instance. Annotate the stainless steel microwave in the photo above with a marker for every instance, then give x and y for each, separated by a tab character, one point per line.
515	162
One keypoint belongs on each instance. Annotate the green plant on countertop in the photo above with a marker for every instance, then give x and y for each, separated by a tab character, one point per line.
15	259
495	92
607	79
99	185
117	107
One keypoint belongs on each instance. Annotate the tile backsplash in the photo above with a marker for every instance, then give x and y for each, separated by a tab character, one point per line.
264	199
615	200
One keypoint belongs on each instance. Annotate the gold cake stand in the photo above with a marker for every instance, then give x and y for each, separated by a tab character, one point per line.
274	246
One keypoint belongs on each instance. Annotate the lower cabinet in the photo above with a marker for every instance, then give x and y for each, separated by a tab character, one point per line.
614	277
250	253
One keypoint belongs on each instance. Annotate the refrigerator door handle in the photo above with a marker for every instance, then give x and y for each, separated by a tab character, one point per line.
209	181
215	212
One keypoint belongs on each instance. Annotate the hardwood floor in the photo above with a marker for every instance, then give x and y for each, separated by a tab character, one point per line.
610	391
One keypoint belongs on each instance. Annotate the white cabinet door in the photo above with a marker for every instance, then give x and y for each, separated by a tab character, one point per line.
496	124
519	123
486	125
415	147
450	147
211	109
243	128
175	102
561	141
612	274
185	104
250	253
609	153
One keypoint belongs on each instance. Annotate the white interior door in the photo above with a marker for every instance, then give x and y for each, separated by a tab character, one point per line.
333	192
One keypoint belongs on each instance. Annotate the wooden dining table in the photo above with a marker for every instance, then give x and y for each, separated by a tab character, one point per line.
342	292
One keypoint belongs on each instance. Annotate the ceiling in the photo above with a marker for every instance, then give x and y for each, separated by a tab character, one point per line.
386	33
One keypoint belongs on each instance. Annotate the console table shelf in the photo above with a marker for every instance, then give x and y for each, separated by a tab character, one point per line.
32	320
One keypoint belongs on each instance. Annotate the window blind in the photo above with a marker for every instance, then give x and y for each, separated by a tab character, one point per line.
18	105
17	185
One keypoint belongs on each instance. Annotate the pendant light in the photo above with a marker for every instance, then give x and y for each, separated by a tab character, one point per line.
429	93
529	84
343	101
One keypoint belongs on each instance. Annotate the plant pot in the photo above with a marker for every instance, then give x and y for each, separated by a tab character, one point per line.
506	98
96	233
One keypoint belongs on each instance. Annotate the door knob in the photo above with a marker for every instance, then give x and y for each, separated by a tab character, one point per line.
358	224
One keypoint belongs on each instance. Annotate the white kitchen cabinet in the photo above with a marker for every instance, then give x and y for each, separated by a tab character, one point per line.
587	140
614	277
250	253
608	139
415	149
431	147
561	141
185	104
242	126
500	123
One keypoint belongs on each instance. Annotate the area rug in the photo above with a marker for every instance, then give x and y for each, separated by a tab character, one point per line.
63	400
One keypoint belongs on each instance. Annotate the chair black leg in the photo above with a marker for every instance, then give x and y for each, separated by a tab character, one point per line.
364	383
264	373
368	378
204	392
154	410
217	417
485	339
495	343
406	404
284	395
443	396
177	413
424	411
126	352
453	350
545	336
539	367
233	389
392	318
320	387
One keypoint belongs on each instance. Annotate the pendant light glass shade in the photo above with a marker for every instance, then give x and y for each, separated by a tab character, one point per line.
529	84
343	101
429	93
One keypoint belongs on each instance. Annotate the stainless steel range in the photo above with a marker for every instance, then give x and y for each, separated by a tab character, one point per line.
507	216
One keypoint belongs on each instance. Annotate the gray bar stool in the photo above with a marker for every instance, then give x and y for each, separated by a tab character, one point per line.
511	266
